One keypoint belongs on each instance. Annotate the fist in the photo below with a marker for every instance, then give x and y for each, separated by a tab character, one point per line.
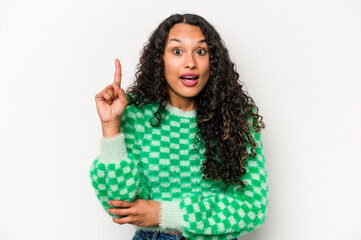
111	102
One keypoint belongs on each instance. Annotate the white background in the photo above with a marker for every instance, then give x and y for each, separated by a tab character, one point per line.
301	63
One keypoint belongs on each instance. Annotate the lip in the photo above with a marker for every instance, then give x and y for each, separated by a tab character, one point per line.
189	82
189	75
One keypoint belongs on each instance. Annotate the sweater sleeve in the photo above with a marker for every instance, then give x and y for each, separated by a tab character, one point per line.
227	214
115	173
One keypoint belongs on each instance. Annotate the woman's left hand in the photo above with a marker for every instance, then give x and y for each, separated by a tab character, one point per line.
141	212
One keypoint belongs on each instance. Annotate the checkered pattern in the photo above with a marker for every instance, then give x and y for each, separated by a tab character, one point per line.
164	164
230	213
115	175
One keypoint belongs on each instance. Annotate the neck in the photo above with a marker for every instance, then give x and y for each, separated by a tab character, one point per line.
185	105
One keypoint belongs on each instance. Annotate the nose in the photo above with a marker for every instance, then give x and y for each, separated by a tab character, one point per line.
190	62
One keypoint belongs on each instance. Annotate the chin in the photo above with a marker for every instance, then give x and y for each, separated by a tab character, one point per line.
189	95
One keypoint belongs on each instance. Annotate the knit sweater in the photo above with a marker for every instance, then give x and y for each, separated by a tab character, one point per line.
164	164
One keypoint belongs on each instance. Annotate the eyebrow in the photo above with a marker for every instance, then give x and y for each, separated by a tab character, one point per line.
177	40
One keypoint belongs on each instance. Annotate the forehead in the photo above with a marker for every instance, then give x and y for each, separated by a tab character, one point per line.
183	31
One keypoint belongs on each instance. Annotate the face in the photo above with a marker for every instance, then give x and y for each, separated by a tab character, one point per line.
186	63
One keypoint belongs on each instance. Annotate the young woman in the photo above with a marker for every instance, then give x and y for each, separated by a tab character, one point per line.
181	155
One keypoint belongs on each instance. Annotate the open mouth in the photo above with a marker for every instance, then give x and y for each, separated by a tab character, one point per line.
189	77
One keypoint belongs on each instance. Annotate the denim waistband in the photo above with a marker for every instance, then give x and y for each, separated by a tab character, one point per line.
148	235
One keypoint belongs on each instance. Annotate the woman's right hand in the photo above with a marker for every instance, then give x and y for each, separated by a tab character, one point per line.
111	104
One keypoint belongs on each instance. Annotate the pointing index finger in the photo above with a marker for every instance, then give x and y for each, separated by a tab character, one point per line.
118	73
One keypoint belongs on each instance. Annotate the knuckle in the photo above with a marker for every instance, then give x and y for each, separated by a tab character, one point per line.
134	211
106	96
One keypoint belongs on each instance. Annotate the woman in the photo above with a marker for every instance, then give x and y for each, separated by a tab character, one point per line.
181	155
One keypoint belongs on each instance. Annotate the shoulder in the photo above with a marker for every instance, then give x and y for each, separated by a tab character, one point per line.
139	111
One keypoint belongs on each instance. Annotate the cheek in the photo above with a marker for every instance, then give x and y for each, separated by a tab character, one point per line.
206	67
170	69
207	72
207	75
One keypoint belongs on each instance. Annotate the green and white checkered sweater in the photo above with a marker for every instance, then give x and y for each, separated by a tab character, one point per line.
162	164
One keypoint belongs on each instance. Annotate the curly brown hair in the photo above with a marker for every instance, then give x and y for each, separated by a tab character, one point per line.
225	112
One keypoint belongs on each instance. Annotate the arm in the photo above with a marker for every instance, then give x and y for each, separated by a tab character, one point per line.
115	173
227	214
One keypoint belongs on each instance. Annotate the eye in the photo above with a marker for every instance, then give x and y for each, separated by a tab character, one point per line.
201	51
177	51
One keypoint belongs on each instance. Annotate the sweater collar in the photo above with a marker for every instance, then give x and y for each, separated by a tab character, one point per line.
179	112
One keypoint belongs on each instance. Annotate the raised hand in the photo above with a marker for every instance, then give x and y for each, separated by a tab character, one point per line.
111	104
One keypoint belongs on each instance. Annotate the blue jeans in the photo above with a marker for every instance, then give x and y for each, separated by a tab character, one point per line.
145	235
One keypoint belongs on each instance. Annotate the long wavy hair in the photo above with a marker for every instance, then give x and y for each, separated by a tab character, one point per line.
225	112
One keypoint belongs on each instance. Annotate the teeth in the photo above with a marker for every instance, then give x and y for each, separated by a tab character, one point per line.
189	77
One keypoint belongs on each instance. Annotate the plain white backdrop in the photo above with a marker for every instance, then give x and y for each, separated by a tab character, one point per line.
300	61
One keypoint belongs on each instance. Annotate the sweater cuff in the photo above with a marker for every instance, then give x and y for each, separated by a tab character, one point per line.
113	150
172	215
